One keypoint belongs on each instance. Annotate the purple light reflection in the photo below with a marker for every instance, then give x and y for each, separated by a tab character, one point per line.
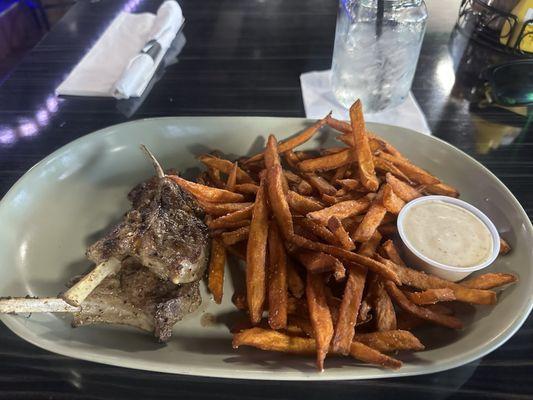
42	117
7	136
52	104
28	128
131	5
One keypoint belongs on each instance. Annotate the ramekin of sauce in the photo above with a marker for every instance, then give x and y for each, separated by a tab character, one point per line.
447	237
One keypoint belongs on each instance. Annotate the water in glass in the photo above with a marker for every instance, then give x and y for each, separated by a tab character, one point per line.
375	64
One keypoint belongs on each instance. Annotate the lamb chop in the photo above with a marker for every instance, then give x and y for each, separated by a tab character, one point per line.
149	265
137	297
163	231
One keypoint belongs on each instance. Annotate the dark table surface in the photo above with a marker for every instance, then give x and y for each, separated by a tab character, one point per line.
244	57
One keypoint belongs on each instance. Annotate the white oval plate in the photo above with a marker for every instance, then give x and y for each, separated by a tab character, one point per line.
71	197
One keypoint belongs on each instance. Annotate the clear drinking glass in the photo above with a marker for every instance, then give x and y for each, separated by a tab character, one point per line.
377	44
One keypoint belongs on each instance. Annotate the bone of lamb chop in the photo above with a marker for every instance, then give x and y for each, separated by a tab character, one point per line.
137	297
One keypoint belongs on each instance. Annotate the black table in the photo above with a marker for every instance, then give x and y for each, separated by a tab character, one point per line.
243	57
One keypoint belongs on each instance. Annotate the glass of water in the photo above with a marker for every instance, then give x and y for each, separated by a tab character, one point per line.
377	44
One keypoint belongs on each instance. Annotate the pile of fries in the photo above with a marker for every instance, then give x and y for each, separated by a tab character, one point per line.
317	232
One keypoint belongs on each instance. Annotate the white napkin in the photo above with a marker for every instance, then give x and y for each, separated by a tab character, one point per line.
319	100
114	66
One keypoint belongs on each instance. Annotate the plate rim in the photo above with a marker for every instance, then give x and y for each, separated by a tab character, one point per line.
17	326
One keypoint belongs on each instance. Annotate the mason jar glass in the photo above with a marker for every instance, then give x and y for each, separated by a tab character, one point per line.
377	44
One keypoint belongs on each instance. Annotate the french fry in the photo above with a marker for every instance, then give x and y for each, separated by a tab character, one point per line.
391	201
214	177
216	270
361	149
292	159
332	150
294	281
389	341
386	146
321	185
272	159
414	173
420	312
384	314
369	247
351	301
302	204
278	201
504	247
341	126
236	236
420	280
246	188
369	355
273	341
431	296
317	262
295	141
370	222
227	220
225	166
219	209
350	184
276	341
489	280
318	230
228	225
335	226
334	304
271	152
408	322
327	162
232	178
339	174
392	252
402	189
340	210
303	187
364	313
207	193
291	176
256	257
329	200
304	324
388	167
305	154
277	280
320	317
441	189
386	271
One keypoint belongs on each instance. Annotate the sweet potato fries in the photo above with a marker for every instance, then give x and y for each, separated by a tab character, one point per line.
316	229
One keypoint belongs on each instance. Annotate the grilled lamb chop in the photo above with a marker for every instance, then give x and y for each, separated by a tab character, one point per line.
163	231
137	297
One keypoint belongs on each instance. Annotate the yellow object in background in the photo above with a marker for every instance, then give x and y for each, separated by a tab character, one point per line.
490	135
524	11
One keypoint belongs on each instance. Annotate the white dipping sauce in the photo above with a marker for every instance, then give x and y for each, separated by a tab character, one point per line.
447	234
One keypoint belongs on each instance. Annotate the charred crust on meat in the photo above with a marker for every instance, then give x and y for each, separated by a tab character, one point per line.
164	231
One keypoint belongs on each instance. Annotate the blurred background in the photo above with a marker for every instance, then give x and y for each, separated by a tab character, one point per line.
22	24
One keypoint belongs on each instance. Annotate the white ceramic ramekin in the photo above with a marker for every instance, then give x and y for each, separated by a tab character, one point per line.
451	273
